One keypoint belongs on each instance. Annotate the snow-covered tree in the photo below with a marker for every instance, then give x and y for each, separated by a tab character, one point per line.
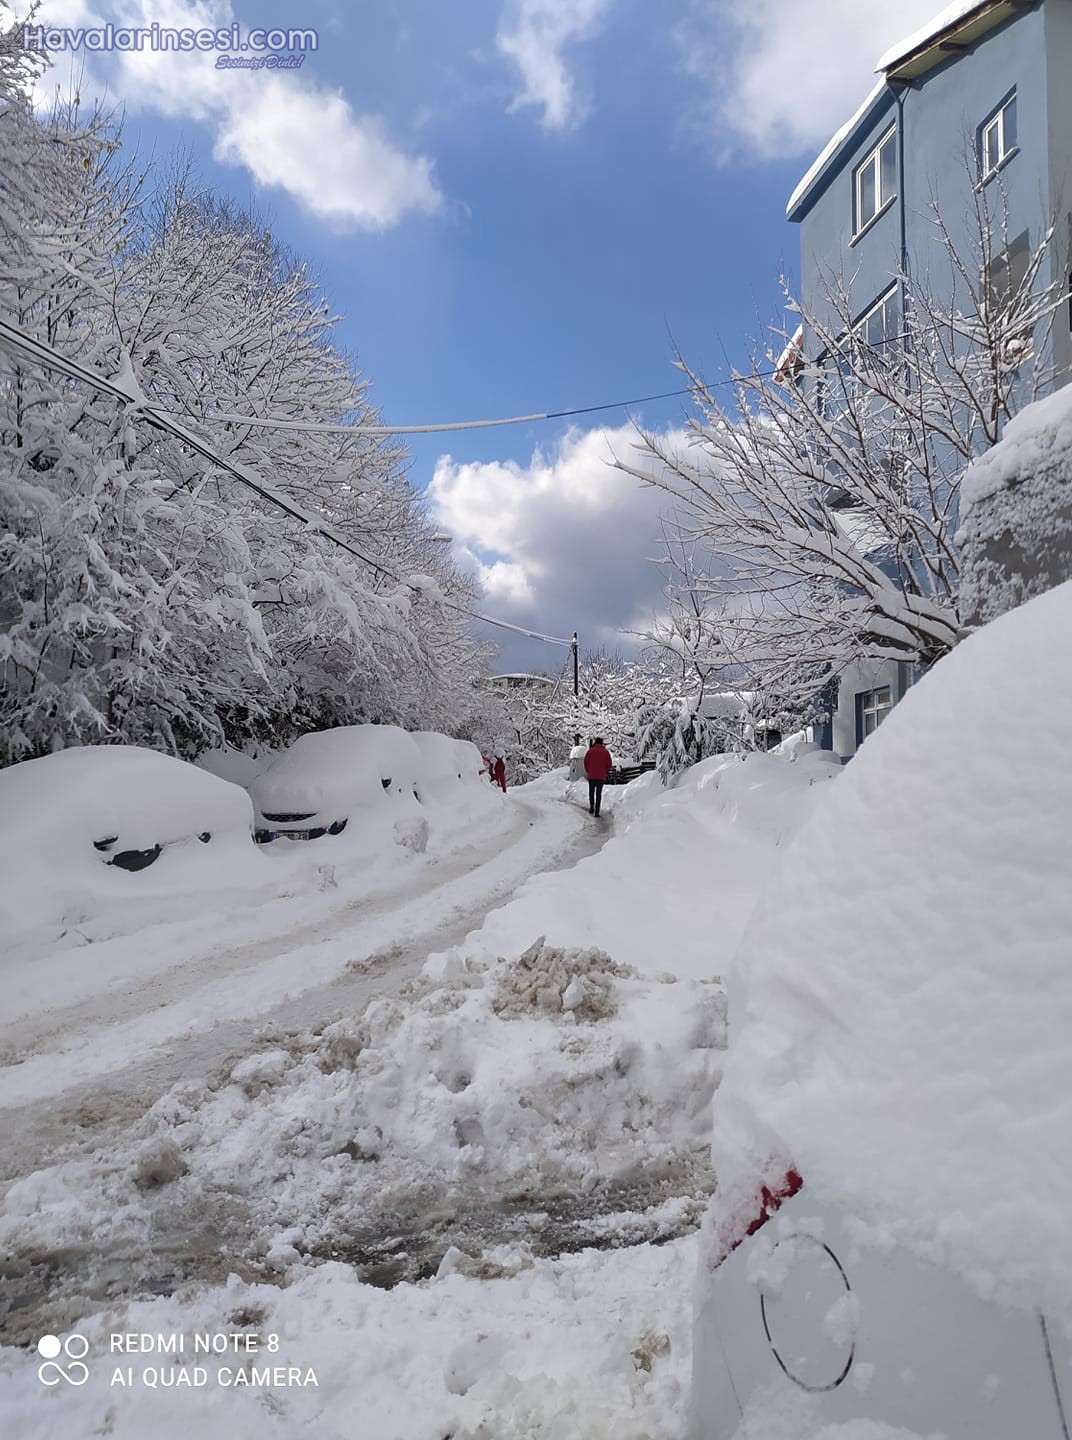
146	595
819	506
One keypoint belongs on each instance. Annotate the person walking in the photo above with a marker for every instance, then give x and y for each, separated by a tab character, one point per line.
597	766
576	761
498	770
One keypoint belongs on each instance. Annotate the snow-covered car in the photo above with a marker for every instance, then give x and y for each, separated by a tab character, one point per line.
888	1251
448	764
812	1314
120	805
316	786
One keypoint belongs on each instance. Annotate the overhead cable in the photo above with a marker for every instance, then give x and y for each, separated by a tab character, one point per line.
15	339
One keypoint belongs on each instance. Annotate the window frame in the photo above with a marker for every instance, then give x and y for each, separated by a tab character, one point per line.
873	161
831	361
891	293
869	704
997	123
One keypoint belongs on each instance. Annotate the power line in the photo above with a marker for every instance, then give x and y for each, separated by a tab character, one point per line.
268	423
128	392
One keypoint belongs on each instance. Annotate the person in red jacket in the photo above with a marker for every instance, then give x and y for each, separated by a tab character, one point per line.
597	766
498	771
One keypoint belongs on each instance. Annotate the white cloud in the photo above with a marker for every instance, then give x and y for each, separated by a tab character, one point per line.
784	76
534	37
286	130
563	543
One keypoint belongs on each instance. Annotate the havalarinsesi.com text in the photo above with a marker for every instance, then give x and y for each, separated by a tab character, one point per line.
183	39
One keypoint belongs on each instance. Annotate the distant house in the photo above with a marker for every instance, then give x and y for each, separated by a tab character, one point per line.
982	91
520	681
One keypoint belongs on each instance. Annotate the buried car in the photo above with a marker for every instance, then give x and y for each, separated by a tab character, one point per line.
888	1254
325	777
80	828
122	805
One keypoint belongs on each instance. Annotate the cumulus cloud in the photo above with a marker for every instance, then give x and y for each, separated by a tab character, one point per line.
785	76
534	34
563	543
287	131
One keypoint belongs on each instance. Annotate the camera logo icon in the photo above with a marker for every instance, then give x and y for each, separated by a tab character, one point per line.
74	1350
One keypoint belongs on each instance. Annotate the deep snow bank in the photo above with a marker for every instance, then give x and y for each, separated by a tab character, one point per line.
900	1019
674	887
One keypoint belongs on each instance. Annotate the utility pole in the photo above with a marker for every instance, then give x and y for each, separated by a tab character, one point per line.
576	673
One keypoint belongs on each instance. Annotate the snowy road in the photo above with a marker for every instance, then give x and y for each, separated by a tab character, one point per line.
80	1066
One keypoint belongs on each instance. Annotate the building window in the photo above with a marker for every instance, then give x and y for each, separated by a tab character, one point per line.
872	707
843	371
875	182
878	327
997	137
1003	296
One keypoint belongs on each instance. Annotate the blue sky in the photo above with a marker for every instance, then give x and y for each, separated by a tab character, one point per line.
518	206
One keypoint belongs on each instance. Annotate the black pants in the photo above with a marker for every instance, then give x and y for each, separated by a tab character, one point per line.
595	795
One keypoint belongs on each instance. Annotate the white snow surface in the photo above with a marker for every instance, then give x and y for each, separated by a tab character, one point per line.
55	885
942	21
562	1350
508	1068
53	809
1038	439
900	1019
673	890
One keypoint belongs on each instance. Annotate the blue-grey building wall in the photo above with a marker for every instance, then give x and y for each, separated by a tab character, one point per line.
938	118
940	115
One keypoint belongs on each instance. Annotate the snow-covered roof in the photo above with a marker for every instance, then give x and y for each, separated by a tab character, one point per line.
834	147
518	677
961	23
973	16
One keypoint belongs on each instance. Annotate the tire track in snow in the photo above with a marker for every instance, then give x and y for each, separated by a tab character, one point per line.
183	1023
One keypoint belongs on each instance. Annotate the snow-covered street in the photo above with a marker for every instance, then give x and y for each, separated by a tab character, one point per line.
535	798
484	1074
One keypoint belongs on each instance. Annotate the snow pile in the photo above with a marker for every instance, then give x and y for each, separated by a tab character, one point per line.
1016	508
58	812
900	1020
63	817
553	980
238	766
470	1084
673	890
1038	440
564	1349
570	1065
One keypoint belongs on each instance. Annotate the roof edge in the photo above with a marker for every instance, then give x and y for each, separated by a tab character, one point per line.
942	39
835	147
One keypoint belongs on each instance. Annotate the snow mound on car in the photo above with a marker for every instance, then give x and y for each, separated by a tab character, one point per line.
56	809
900	1018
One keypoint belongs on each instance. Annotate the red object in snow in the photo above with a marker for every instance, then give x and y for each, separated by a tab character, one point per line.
737	1228
597	762
498	774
